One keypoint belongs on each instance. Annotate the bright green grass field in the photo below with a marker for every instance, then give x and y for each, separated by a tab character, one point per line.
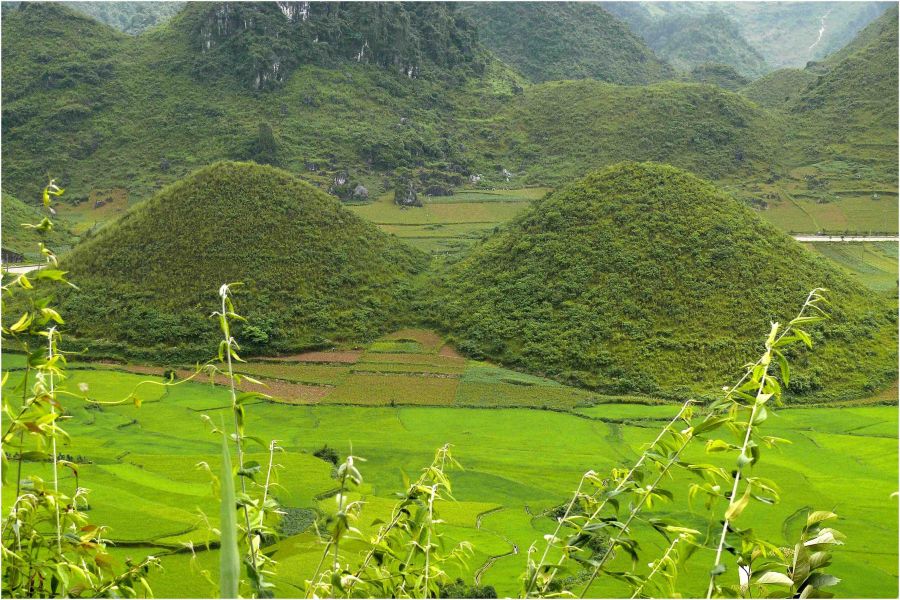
874	263
448	224
145	484
859	214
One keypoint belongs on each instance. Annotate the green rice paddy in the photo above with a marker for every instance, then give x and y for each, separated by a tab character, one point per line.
141	463
448	224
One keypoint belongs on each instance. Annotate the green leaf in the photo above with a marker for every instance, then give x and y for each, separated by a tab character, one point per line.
775	578
804	337
22	324
51	274
784	367
709	424
719	446
818	517
737	507
820	580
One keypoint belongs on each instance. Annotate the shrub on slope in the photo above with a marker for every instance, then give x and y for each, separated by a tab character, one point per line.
641	277
313	271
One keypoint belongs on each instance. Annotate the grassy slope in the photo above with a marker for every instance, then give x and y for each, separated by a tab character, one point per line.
25	240
566	40
643	277
313	271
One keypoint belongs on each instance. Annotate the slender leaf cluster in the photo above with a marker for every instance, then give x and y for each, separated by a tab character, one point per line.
599	522
49	547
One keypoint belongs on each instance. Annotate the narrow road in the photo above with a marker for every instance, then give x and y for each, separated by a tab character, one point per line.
846	238
19	269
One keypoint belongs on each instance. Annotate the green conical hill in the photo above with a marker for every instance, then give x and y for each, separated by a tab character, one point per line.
642	277
313	272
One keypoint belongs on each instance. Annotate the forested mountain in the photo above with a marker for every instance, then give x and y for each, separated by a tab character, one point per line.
848	113
565	40
136	112
262	42
375	94
689	38
130	17
752	37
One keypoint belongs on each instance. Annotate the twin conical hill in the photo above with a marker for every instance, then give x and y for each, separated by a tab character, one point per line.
642	277
313	271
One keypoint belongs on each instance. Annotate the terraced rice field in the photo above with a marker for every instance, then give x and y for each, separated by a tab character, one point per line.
518	463
448	225
874	263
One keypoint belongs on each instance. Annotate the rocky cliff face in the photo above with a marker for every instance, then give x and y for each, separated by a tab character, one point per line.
261	42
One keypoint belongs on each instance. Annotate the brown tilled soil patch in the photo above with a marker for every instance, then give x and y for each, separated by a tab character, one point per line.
281	391
346	356
449	351
295	393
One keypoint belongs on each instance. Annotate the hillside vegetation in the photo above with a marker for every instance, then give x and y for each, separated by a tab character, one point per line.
313	272
26	240
688	37
139	112
566	40
134	113
642	277
129	17
852	107
560	130
767	35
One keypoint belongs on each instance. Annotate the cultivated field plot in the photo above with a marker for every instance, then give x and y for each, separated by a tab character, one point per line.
380	390
850	213
518	463
874	263
448	224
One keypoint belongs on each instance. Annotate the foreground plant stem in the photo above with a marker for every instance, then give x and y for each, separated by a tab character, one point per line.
237	427
50	334
621	485
657	566
634	512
